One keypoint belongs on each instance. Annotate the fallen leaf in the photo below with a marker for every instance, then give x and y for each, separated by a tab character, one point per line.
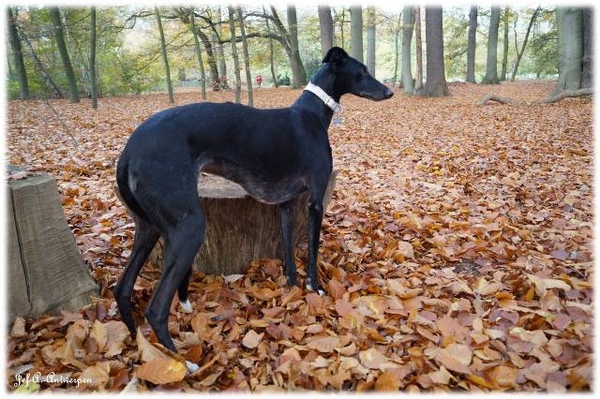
211	379
252	339
147	350
100	334
405	250
455	357
504	376
441	376
324	344
117	333
543	284
96	376
161	371
387	382
373	359
18	329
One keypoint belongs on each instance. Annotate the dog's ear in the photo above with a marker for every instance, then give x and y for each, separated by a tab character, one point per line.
335	56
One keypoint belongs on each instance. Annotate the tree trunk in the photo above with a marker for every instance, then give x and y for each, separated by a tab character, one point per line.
298	71
520	53
210	59
342	30
505	19
408	26
46	272
435	86
219	46
236	60
45	75
15	44
198	54
587	79
397	48
271	55
240	229
418	50
326	25
93	81
491	68
286	41
472	43
163	50
371	40
570	47
246	56
356	32
64	54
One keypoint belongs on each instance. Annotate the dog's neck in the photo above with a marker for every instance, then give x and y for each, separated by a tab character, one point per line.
311	102
326	98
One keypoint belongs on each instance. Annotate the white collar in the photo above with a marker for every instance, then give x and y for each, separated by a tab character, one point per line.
326	98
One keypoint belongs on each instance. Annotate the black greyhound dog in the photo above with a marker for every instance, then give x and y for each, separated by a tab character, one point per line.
275	154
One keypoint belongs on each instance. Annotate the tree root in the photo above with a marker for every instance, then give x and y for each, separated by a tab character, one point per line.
568	93
551	99
493	97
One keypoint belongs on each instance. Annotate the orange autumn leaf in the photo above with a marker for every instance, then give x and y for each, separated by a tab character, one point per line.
374	359
504	376
388	382
455	357
162	371
324	344
117	333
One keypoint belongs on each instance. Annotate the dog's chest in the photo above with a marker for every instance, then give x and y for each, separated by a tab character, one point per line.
274	192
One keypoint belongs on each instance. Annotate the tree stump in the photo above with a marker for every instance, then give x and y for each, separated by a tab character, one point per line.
240	229
46	271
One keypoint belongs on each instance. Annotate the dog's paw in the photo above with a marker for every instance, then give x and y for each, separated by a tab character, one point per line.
192	367
186	306
319	291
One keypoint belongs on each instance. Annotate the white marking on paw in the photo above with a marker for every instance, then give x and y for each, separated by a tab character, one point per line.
310	288
186	306
192	367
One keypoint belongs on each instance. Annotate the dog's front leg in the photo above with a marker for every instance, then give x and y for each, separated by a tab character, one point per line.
315	217
286	214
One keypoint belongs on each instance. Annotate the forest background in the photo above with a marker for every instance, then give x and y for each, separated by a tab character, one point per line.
129	60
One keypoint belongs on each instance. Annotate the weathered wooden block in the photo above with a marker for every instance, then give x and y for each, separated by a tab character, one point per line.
240	229
45	269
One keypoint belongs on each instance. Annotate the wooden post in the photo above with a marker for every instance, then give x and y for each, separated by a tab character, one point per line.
46	271
240	229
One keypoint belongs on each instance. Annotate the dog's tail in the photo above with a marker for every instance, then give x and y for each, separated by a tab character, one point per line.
124	191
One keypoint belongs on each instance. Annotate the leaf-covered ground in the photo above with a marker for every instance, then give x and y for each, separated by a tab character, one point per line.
456	254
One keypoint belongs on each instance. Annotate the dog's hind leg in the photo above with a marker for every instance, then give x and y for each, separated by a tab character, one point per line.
286	213
182	241
145	238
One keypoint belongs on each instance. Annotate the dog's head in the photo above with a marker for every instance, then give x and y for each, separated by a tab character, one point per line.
353	77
